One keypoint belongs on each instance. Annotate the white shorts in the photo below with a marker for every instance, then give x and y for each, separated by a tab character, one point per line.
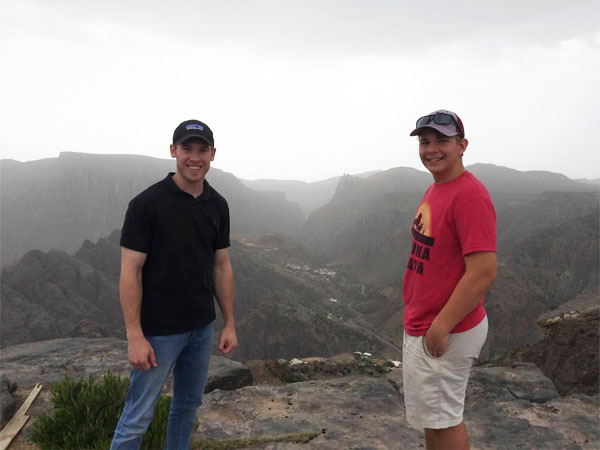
434	388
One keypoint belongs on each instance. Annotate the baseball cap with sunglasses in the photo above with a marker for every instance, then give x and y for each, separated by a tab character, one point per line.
446	122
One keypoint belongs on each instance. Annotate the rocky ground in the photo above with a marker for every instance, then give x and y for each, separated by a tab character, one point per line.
349	401
508	407
47	362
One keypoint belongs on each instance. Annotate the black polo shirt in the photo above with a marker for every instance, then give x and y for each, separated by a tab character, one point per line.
180	235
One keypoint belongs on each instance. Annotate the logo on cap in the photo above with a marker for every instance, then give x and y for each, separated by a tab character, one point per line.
194	126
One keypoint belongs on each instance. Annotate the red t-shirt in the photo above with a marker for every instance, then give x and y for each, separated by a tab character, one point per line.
454	219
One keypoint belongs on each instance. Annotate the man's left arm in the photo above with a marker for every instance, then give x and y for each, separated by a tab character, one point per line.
480	272
223	283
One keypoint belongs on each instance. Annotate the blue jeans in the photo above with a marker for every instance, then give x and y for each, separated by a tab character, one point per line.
188	354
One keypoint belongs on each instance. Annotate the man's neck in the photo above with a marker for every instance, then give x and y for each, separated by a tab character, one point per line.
194	189
444	178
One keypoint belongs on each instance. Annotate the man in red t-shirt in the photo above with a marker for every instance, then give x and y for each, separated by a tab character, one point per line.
451	266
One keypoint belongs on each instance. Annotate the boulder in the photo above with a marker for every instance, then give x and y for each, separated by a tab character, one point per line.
227	375
8	401
523	381
88	329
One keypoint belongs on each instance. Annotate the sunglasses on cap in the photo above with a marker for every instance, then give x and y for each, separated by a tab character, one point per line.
441	119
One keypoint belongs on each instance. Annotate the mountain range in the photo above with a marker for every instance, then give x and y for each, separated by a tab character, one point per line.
57	203
547	251
49	295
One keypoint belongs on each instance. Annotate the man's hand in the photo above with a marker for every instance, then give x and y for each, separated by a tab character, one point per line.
141	354
228	340
436	341
480	272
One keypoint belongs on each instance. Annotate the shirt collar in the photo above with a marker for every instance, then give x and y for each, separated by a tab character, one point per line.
207	190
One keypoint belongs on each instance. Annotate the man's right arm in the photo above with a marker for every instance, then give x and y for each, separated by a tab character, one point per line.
141	354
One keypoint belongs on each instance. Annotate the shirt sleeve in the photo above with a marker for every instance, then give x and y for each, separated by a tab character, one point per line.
136	233
223	240
475	224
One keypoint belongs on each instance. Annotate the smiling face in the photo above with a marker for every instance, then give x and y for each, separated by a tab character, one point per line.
442	155
193	159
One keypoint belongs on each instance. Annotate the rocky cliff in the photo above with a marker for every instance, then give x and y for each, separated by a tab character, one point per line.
568	351
47	295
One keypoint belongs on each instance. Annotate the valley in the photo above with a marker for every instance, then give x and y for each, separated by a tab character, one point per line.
318	266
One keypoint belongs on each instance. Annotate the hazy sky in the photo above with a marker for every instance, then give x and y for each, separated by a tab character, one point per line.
303	89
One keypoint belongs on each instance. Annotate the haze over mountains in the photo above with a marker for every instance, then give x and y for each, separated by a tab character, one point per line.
358	226
309	196
59	202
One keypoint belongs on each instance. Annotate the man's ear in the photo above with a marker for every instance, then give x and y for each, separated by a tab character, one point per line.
464	143
212	153
173	148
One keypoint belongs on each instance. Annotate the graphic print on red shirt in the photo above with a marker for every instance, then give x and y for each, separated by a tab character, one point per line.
422	240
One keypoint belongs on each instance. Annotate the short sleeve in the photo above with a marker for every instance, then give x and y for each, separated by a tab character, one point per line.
475	225
223	239
136	233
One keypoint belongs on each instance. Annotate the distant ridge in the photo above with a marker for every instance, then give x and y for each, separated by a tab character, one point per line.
587	181
57	203
505	180
309	196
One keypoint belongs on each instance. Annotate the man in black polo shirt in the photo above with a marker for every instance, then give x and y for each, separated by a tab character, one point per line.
174	259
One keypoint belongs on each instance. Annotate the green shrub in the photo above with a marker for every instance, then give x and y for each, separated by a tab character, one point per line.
86	414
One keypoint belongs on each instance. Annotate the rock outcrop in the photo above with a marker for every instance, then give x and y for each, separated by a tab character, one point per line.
227	375
568	351
48	362
8	400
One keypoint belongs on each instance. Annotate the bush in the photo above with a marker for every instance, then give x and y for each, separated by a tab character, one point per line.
86	414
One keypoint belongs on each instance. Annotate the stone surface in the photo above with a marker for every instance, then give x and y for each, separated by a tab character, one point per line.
47	362
522	381
507	408
352	412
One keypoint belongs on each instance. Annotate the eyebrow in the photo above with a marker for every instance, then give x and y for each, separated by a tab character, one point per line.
207	146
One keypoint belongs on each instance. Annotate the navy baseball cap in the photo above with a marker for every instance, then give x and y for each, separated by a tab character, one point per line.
193	129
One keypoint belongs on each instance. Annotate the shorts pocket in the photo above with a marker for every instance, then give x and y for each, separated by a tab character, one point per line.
424	345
